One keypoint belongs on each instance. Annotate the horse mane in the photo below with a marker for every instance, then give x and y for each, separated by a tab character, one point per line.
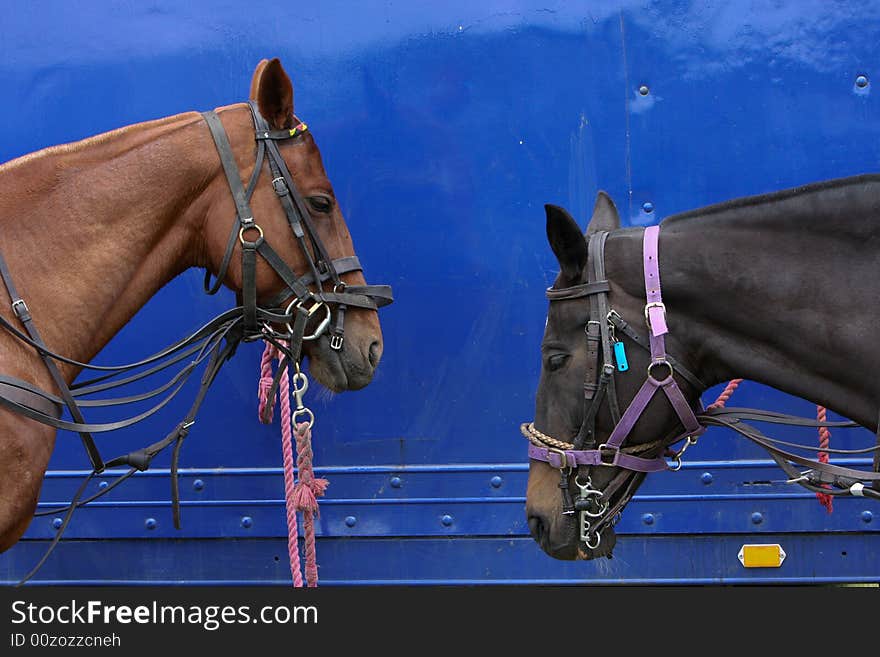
778	199
110	136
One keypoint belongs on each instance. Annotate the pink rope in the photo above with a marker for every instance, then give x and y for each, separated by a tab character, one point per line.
725	395
824	434
305	495
302	495
824	439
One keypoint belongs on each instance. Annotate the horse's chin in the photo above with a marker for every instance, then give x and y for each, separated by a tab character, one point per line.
562	542
335	370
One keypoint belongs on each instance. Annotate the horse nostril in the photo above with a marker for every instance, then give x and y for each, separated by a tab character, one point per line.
375	353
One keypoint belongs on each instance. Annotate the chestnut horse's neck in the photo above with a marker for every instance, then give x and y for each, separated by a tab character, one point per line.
780	289
92	230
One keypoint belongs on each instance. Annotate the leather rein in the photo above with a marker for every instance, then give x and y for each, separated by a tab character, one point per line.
593	506
305	313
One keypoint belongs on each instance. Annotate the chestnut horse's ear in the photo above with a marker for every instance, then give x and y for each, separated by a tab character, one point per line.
255	79
567	242
605	216
273	91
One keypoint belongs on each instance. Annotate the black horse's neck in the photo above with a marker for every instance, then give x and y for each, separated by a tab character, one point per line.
781	289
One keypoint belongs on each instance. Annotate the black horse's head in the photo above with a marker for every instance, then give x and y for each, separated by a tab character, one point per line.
578	337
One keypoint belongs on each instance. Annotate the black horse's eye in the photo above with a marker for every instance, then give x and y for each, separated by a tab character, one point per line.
556	361
320	204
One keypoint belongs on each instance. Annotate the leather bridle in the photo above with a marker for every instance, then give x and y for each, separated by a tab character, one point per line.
584	453
298	307
302	304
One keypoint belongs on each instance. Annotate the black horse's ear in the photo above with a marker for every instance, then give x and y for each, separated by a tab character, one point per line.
567	241
605	215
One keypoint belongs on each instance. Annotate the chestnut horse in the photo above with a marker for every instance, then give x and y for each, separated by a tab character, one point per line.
92	230
779	288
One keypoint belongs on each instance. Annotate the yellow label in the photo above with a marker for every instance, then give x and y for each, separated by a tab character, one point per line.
761	556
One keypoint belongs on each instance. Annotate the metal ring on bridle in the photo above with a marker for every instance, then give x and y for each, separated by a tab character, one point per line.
660	363
321	327
591	545
246	228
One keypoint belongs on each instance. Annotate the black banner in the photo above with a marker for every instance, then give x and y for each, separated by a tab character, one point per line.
154	619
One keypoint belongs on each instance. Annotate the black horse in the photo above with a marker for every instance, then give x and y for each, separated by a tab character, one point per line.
780	289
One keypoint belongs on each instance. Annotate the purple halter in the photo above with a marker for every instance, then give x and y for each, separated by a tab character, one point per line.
565	457
659	378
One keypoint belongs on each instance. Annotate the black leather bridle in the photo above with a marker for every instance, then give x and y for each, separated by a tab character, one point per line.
598	509
605	355
303	305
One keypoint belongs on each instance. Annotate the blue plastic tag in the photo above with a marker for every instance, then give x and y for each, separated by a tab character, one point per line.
620	356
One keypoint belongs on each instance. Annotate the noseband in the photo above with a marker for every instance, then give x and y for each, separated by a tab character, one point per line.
583	453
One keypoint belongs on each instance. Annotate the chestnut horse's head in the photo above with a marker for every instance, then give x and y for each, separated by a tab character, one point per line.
586	463
293	255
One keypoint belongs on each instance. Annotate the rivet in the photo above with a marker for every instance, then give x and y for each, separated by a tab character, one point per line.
57	522
103	485
648	207
495	481
150	523
862	81
648	518
643	90
867	516
198	484
350	521
446	520
706	478
757	518
247	522
396	482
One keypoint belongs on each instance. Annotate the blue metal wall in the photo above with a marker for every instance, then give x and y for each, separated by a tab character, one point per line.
445	127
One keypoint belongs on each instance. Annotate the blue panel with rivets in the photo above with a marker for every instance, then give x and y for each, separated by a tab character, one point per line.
445	128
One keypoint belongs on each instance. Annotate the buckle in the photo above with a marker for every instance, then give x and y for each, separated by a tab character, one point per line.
654	304
280	186
336	342
20	308
605	448
563	464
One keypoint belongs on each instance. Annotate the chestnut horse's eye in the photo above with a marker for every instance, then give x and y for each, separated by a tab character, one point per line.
320	204
556	361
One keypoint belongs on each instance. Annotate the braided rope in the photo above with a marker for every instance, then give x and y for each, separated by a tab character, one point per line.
539	439
266	410
299	495
732	385
305	495
824	440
